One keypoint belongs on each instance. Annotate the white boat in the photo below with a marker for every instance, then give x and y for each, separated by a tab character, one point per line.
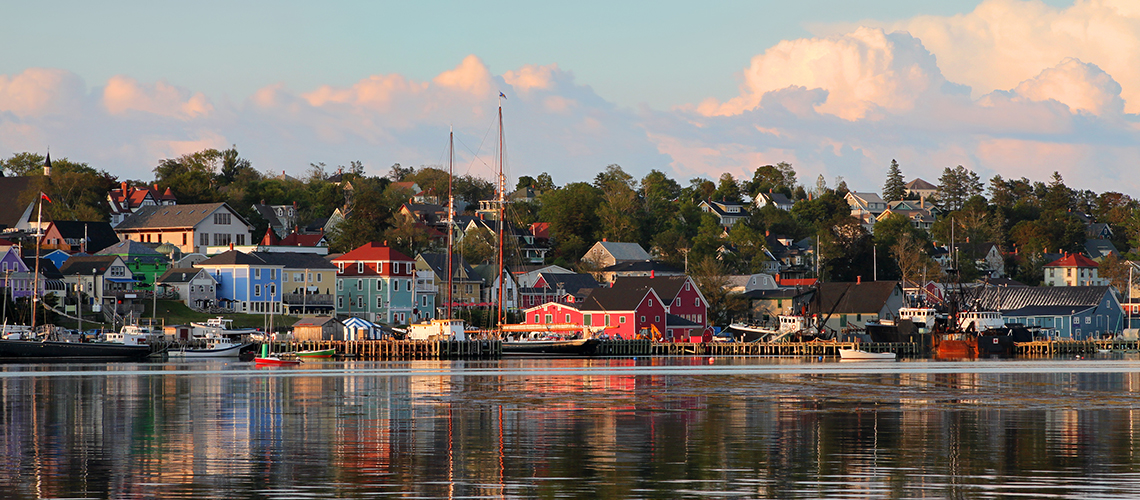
220	327
862	355
135	335
216	347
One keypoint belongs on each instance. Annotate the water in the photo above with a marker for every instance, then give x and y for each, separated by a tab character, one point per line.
574	428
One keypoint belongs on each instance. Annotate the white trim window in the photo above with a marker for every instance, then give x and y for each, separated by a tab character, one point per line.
256	290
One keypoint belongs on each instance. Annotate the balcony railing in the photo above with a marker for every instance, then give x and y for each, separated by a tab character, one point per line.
313	299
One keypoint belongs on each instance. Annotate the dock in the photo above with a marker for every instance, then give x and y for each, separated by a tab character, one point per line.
384	350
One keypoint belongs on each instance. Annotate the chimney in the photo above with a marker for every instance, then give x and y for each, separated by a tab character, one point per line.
123	187
858	280
231	245
652	274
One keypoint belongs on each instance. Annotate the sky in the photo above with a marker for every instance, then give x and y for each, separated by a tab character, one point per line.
836	88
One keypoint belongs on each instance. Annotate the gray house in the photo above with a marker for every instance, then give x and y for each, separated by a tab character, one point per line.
196	288
1074	312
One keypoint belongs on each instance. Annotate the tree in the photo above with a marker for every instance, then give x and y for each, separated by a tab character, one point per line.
727	189
712	280
234	167
398	173
1058	196
895	187
572	212
368	218
1116	271
478	246
544	183
913	262
22	164
957	185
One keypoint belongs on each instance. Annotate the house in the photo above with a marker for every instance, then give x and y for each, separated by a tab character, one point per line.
778	200
564	288
58	257
195	287
282	219
685	306
788	258
431	215
376	282
987	257
319	328
865	206
1073	270
607	253
1098	231
104	278
527	275
466	285
246	282
1097	250
921	189
51	280
851	305
76	236
1072	312
920	217
490	291
145	263
727	212
192	228
17	276
740	283
129	199
307	281
766	305
427	294
627	315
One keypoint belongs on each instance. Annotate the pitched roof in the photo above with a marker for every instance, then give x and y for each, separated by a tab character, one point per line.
624	251
302	240
100	235
919	184
130	249
438	263
1100	248
86	265
642	266
180	274
613	299
234	258
667	287
1073	260
295	260
162	216
570	283
1041	300
373	251
857	298
316	321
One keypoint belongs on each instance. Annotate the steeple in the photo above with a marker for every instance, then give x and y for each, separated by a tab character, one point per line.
47	165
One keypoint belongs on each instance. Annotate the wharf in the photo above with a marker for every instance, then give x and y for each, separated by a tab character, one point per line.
1050	348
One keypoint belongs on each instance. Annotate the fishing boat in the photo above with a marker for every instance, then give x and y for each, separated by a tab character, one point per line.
48	350
861	355
552	339
316	354
268	359
219	327
216	347
135	335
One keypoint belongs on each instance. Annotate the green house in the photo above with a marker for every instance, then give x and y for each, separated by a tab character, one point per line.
145	263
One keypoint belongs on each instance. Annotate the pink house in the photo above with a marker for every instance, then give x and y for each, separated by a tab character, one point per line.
627	314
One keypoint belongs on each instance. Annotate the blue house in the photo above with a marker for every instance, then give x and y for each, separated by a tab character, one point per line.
1073	312
246	282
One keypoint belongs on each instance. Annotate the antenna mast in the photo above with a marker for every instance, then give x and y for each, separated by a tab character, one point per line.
502	204
450	216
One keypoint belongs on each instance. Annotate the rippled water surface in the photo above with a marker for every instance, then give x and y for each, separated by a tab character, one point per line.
574	428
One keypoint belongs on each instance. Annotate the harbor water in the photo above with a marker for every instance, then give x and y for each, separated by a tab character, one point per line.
652	427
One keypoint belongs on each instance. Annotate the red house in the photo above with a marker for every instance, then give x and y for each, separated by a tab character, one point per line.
686	307
628	314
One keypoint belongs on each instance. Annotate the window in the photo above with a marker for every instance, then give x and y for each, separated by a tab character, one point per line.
586	319
222	239
696	301
1069	272
222	218
318	277
272	290
643	319
657	319
340	267
257	273
567	318
204	238
549	318
360	301
339	285
256	290
677	302
360	284
686	286
650	302
379	285
272	274
536	318
379	301
340	302
621	319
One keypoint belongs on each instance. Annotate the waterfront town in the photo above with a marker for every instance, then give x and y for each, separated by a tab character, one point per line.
340	255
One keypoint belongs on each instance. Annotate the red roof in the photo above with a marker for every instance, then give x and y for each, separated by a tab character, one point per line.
1073	260
796	282
373	252
270	238
540	229
302	240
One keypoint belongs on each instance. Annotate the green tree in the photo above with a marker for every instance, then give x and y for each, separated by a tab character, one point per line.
895	187
727	189
779	178
22	164
956	186
368	218
572	212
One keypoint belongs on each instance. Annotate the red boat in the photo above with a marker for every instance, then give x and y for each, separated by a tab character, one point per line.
267	359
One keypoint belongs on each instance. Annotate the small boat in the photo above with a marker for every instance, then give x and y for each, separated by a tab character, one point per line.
316	354
267	359
135	335
216	347
859	354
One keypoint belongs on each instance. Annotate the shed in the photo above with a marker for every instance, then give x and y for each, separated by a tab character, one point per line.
319	328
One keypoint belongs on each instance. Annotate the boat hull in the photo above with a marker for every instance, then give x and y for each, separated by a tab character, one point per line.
857	354
30	351
225	352
957	348
321	354
574	347
276	362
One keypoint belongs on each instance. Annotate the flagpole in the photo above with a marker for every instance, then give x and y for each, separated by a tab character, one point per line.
36	276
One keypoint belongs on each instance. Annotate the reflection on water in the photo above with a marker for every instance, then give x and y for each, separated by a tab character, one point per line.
573	428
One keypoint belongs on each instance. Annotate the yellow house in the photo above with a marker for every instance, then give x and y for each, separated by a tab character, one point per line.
308	282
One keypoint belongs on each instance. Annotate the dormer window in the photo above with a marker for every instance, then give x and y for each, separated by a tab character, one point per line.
360	268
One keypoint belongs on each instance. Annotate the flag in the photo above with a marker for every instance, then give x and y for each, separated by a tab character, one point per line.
45	197
502	95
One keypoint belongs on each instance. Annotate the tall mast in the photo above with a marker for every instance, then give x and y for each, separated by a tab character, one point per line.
450	215
36	276
502	204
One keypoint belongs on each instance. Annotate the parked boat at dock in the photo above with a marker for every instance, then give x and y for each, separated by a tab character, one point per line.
216	347
49	350
316	354
859	354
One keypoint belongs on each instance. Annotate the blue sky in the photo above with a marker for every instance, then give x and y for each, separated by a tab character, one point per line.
684	88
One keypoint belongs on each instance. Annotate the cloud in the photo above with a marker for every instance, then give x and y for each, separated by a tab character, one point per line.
862	71
39	91
1080	86
1004	42
123	95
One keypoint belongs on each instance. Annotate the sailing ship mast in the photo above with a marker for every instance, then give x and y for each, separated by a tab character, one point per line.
450	217
502	206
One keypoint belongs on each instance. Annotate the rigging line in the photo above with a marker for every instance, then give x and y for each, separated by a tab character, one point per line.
476	153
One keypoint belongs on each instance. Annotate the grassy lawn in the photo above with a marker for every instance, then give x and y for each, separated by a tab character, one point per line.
176	313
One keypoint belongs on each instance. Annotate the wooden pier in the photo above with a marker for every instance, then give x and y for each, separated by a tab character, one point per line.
492	349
